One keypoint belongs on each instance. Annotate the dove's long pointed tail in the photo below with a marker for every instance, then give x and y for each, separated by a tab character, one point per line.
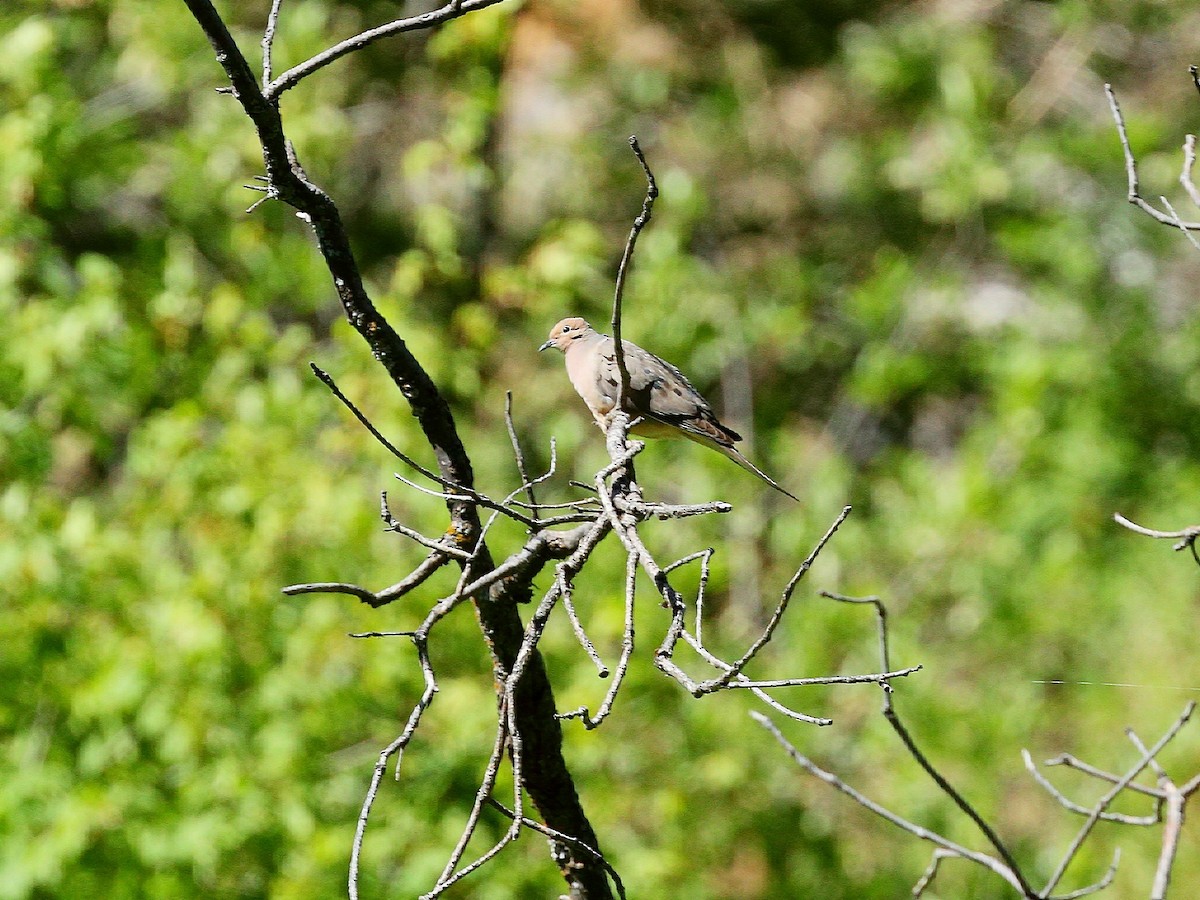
736	456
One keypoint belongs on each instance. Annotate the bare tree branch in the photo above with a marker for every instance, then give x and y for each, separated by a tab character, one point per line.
893	719
627	644
623	270
1095	887
1004	864
455	492
549	783
1186	536
1068	804
1066	759
268	41
517	454
1103	803
296	74
1133	194
589	648
448	876
1179	222
1189	164
432	563
912	828
563	838
1175	802
781	608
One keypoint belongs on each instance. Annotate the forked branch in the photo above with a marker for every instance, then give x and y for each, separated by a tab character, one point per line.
1133	193
1002	862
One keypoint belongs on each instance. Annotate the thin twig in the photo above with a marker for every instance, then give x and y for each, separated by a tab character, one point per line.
627	644
396	527
926	879
623	269
1133	194
1172	826
453	491
333	587
517	454
1005	872
1070	805
395	748
481	796
1189	164
781	608
1186	536
705	557
1103	802
762	695
566	839
375	599
268	191
420	640
565	589
1191	786
989	833
481	545
1179	222
268	39
1095	887
939	854
375	634
893	719
880	620
478	863
585	504
873	678
294	75
1071	762
665	511
1190	532
1155	766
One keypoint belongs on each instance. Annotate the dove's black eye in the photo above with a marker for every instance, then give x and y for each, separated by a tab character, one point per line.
566	328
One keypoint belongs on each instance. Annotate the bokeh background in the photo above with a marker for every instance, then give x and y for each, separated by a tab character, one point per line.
892	245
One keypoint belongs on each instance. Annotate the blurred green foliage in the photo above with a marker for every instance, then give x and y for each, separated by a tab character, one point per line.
892	243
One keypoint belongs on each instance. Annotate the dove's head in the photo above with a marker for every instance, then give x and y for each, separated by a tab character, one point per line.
567	332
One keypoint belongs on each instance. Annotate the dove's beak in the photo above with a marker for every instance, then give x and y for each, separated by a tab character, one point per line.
546	346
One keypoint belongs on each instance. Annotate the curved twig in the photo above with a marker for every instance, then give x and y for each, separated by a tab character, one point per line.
1186	536
296	74
623	270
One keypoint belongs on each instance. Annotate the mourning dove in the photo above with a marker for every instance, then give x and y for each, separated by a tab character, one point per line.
658	392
